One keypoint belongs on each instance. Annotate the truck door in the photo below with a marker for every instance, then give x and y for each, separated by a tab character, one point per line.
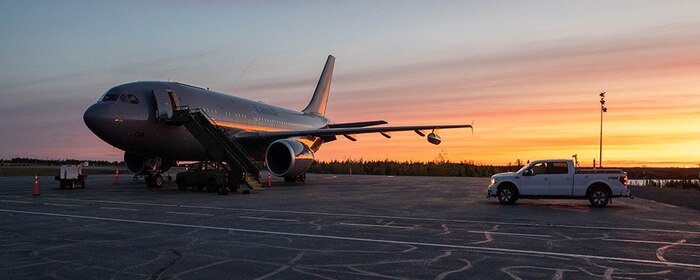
166	103
535	184
558	178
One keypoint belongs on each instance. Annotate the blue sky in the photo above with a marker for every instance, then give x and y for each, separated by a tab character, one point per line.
57	57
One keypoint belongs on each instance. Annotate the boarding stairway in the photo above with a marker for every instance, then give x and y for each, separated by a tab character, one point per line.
220	146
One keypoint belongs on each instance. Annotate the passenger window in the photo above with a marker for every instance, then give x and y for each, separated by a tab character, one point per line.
539	168
133	99
110	97
557	168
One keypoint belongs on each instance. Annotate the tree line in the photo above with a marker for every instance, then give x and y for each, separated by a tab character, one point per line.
34	161
410	168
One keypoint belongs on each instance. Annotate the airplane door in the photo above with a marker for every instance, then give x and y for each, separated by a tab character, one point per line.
166	103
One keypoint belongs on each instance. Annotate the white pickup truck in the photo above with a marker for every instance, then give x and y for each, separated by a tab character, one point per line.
559	178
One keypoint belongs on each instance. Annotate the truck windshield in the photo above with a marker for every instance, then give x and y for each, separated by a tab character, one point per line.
523	169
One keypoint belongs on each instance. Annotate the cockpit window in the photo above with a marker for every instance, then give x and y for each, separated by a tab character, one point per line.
110	97
133	99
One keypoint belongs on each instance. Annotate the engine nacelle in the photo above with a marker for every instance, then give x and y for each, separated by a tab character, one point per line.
141	165
288	158
434	139
135	163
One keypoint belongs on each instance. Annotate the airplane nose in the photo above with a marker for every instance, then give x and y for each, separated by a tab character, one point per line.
97	119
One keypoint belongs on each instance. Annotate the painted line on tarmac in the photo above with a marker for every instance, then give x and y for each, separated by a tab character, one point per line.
391	217
123	209
268	219
16	201
189	213
510	233
59	204
370	225
369	240
651	242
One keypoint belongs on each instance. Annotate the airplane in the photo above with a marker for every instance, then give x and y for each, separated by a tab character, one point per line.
132	117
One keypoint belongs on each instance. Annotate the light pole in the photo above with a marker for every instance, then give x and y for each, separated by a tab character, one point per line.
603	109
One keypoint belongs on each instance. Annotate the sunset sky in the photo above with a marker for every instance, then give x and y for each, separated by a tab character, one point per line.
528	73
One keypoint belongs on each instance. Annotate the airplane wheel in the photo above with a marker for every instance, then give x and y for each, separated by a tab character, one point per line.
157	181
149	181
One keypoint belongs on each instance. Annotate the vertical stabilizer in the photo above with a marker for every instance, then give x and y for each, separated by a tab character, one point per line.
317	106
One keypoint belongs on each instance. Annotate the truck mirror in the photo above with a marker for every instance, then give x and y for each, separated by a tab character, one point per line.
528	172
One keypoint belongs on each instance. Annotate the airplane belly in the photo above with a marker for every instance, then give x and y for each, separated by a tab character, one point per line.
163	140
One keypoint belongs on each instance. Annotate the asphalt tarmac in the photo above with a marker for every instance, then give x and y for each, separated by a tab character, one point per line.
335	227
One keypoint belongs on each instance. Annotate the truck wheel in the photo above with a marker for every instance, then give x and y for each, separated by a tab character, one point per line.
211	185
223	190
507	195
599	197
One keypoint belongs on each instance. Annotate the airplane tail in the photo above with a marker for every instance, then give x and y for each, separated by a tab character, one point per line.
317	105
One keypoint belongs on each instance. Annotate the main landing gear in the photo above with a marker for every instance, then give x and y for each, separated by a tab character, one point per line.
296	179
156	180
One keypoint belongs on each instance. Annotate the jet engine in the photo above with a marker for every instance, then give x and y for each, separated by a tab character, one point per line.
288	158
135	163
141	165
435	139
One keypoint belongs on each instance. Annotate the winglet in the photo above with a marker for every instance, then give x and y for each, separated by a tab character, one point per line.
471	126
317	105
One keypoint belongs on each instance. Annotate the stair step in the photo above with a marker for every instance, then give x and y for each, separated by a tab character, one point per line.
222	147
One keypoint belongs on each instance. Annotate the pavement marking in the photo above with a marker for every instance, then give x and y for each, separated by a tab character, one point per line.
117	208
510	233
662	250
370	240
268	219
652	242
59	204
392	217
189	213
370	225
16	201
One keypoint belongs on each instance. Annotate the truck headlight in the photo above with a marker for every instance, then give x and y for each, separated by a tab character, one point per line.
493	181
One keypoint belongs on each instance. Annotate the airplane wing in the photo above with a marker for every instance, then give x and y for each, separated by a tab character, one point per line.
356	124
347	132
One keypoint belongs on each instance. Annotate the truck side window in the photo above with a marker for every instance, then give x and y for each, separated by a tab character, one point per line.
539	168
557	168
